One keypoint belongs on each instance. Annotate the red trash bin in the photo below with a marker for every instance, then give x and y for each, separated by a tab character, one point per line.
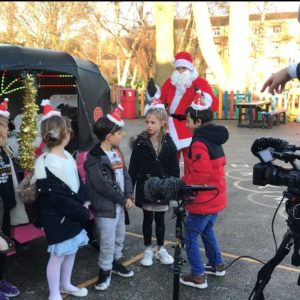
128	101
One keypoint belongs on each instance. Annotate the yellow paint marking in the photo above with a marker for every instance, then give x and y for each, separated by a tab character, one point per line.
283	267
139	256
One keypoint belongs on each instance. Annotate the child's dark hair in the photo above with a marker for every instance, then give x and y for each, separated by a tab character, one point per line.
203	115
103	127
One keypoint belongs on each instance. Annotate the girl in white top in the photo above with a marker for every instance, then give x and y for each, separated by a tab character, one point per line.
62	211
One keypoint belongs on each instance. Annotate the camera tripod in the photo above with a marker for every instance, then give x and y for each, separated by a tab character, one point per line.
179	211
291	237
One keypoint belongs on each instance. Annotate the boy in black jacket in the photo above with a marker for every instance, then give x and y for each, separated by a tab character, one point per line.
110	189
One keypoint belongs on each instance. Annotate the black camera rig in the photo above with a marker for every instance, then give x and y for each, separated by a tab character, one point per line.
266	172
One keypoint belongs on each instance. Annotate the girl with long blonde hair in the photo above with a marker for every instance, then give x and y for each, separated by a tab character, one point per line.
153	154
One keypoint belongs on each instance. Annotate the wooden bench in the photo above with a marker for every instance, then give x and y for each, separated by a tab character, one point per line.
268	117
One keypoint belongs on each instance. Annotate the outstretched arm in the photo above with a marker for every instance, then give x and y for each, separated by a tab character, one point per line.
277	81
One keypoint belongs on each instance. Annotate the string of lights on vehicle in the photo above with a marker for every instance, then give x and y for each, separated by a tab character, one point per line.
9	88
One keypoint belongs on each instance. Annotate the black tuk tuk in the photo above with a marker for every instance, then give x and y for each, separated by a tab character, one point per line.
73	85
65	80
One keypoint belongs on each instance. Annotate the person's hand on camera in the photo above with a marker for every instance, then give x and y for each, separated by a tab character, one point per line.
151	88
277	81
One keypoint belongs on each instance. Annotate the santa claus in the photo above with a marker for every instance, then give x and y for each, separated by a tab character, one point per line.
178	92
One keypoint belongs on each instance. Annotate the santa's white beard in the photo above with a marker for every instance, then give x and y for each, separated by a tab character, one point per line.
182	81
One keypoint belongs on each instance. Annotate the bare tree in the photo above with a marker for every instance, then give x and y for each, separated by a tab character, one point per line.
8	14
53	25
128	30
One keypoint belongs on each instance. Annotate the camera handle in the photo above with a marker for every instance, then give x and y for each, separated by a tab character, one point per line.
264	274
178	259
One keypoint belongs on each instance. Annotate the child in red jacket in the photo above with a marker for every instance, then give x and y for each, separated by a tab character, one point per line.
205	165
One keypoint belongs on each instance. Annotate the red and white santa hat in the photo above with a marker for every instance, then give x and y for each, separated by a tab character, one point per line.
184	59
48	110
156	103
202	101
3	108
116	116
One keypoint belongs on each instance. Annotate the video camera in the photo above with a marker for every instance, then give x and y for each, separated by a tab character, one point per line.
160	191
265	172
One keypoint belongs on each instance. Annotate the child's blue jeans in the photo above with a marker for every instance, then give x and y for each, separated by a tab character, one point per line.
196	225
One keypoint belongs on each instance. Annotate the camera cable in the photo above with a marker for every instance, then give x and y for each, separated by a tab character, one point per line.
273	220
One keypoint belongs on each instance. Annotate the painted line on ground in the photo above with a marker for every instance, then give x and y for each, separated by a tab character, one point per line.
140	255
224	254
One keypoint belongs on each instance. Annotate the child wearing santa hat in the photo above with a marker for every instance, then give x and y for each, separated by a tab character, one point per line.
153	154
205	165
61	202
8	198
109	187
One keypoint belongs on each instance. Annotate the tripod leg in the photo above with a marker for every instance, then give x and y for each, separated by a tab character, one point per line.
177	269
177	255
264	274
296	254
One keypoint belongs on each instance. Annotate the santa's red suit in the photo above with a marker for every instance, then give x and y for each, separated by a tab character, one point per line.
178	98
177	103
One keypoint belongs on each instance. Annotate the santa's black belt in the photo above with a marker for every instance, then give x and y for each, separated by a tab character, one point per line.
178	117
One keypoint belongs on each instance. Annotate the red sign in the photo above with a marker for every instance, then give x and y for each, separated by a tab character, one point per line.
98	113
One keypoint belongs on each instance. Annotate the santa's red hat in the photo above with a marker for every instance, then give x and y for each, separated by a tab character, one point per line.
202	101
116	116
3	108
48	110
184	59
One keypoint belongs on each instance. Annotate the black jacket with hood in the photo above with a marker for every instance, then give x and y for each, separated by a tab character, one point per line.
145	163
101	185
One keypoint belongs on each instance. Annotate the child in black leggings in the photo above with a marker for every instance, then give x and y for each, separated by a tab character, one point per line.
153	154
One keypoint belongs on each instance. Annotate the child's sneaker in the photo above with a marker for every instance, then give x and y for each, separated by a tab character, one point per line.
103	281
81	292
120	269
197	281
147	260
217	270
8	289
164	257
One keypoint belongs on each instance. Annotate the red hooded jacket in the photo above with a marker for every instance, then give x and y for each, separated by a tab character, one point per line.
206	165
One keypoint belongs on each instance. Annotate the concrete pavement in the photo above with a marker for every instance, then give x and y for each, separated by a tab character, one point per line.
244	228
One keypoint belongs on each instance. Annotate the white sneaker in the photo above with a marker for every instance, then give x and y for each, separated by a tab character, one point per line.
82	292
164	257
103	283
147	260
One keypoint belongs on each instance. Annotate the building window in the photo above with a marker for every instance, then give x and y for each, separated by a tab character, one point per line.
255	30
276	29
217	31
254	46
